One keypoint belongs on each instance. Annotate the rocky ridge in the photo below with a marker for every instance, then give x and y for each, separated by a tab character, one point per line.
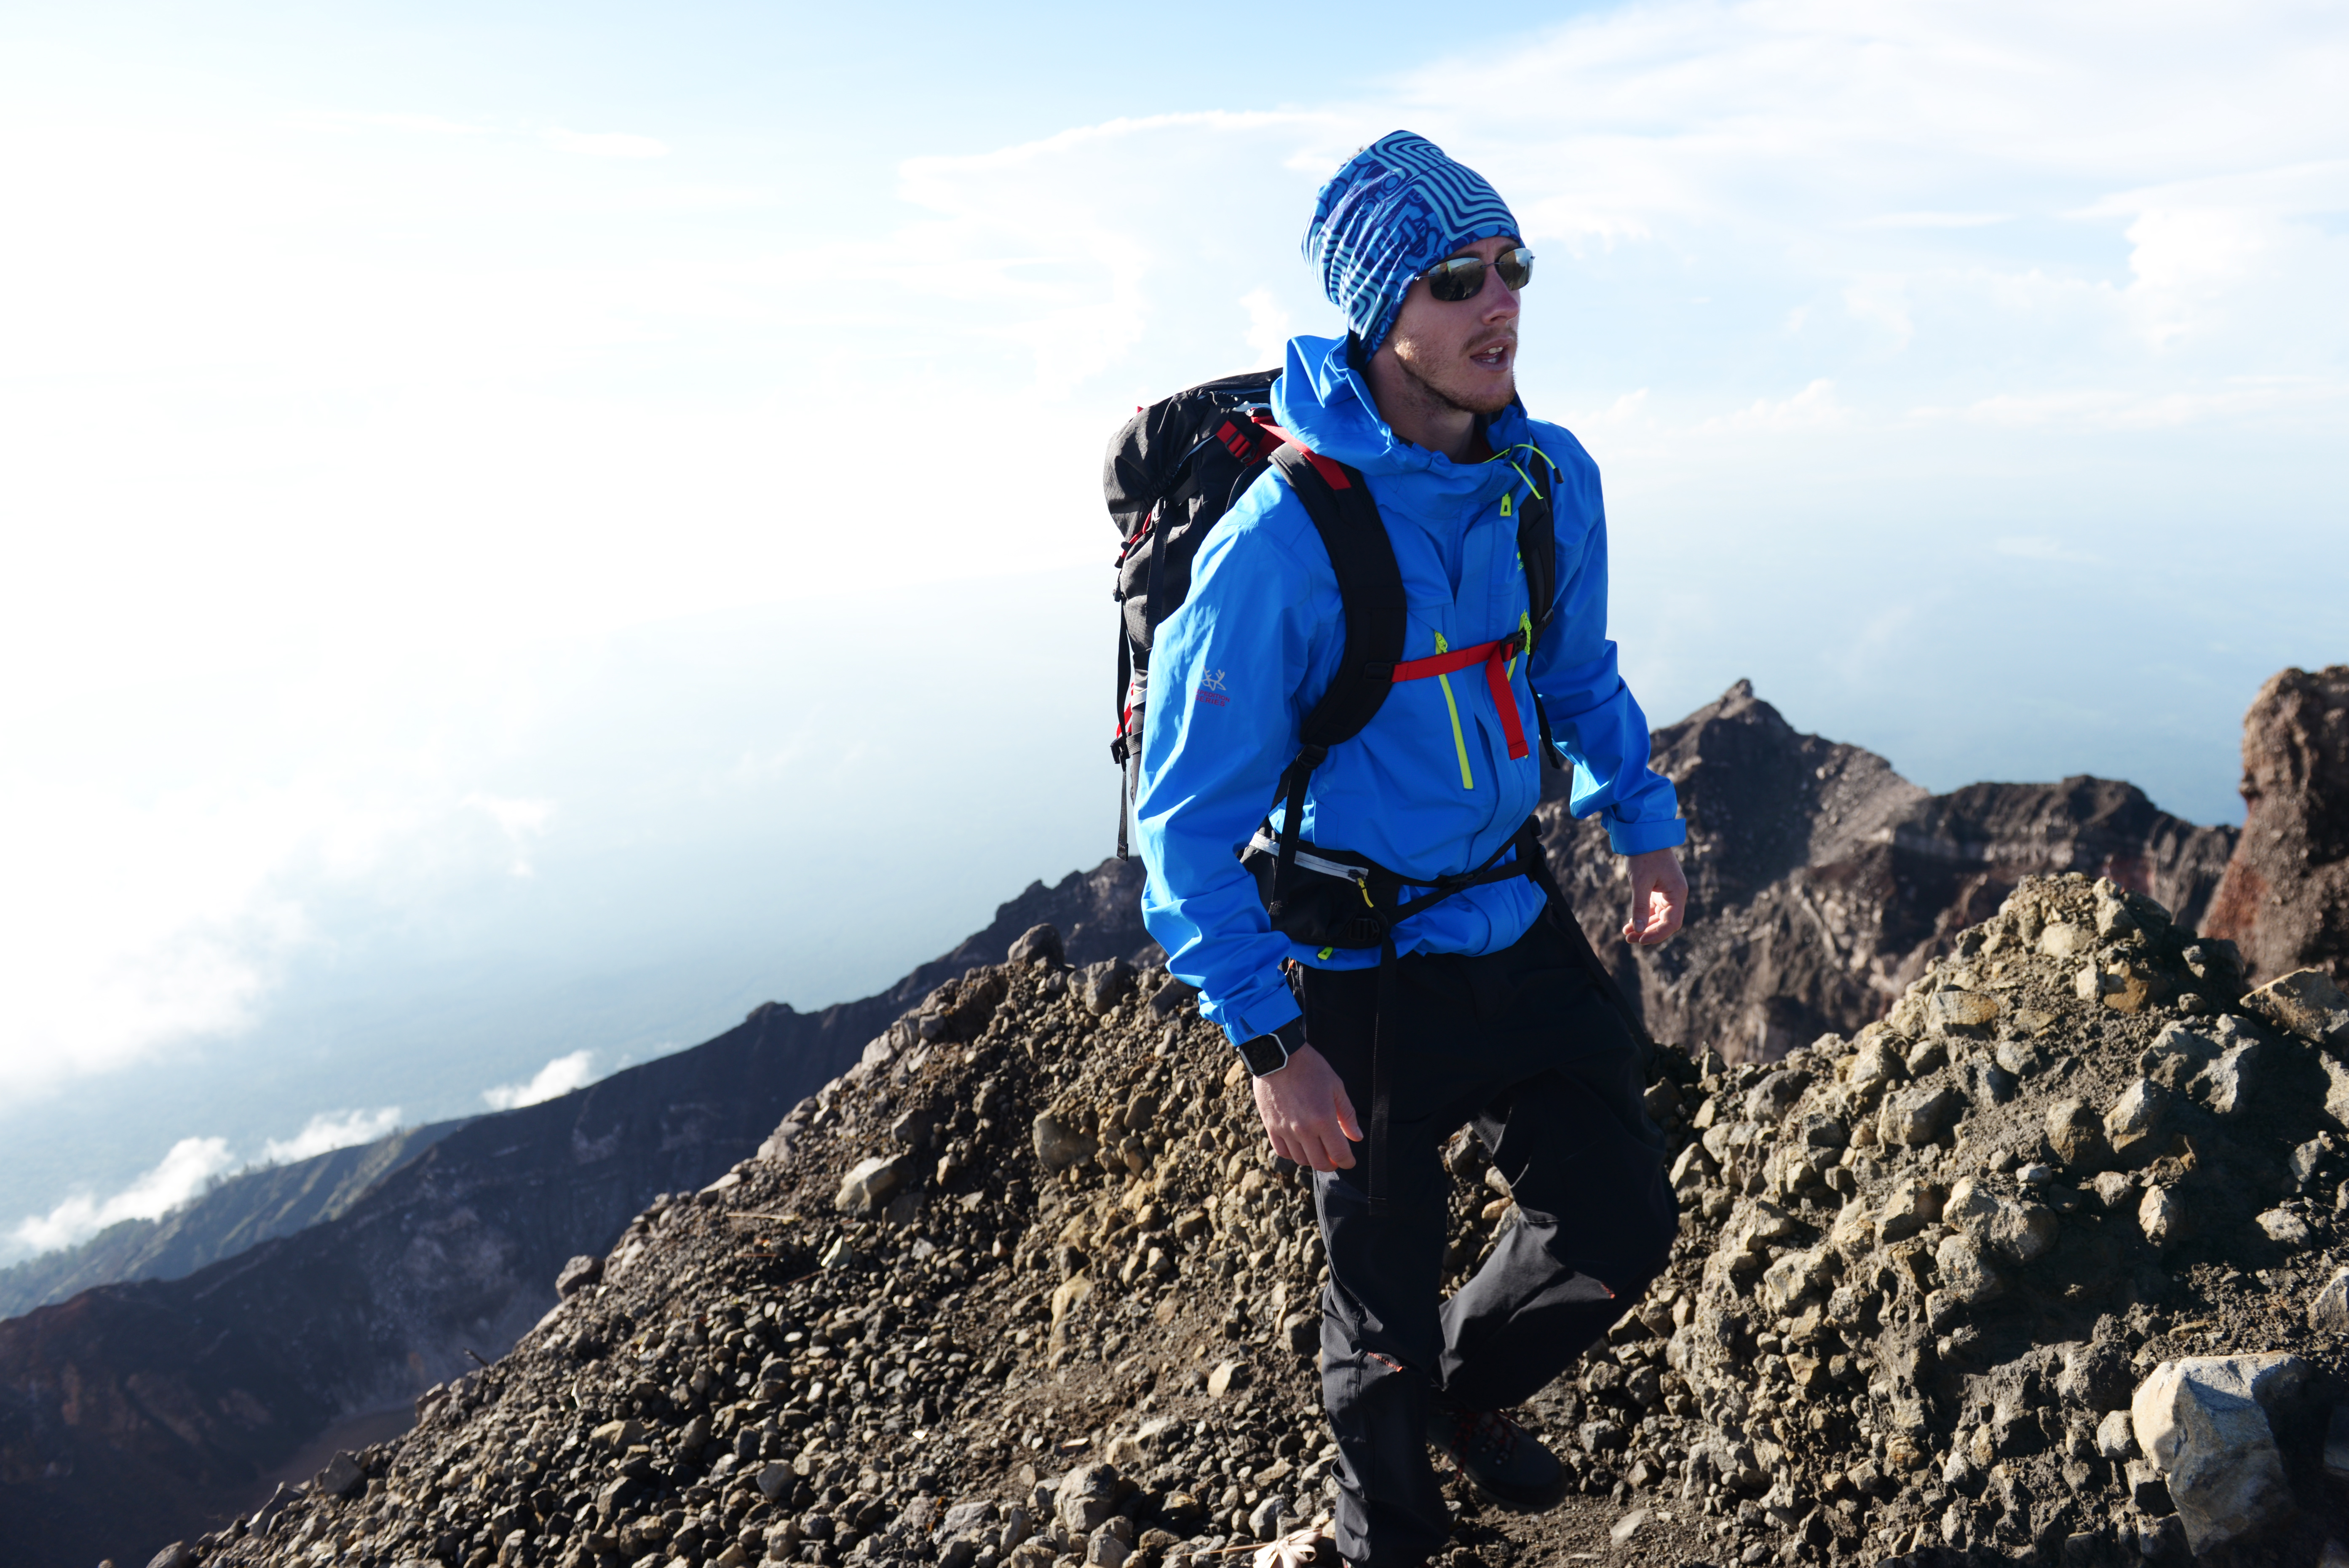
2285	900
2045	1267
1822	883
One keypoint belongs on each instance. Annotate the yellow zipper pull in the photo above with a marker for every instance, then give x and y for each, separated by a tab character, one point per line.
1459	741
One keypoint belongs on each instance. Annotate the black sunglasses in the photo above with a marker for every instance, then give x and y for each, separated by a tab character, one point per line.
1463	277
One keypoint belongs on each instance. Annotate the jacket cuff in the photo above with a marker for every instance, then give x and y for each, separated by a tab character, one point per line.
1280	1015
1639	837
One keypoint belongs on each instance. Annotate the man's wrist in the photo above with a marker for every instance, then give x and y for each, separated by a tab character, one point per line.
1269	1054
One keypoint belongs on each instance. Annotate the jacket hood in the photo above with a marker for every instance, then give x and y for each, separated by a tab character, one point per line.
1323	401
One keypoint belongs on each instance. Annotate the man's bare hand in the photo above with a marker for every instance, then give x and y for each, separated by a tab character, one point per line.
1658	899
1307	1113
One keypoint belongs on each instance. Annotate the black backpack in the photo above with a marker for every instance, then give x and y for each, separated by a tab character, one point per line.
1171	474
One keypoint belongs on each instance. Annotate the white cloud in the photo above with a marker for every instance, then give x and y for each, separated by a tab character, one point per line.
2041	547
330	1130
1813	407
181	1176
1932	220
559	1076
603	144
1268	328
520	820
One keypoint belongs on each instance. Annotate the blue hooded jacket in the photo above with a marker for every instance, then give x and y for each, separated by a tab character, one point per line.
1428	787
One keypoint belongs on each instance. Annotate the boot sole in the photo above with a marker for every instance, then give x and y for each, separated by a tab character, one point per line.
1544	1502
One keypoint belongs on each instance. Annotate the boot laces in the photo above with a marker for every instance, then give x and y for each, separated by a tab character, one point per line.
1484	1435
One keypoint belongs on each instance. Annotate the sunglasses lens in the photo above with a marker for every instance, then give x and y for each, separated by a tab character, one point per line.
1516	267
1462	278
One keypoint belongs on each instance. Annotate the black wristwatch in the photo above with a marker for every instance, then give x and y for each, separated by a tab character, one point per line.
1269	1054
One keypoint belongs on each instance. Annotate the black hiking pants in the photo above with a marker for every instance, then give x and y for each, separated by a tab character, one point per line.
1522	1044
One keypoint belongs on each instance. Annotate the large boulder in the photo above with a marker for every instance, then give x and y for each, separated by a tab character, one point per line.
2203	1424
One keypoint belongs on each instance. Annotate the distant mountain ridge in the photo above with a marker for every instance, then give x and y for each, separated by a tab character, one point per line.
238	1212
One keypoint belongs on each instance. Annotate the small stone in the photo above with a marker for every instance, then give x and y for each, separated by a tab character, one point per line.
1087	1496
1038	944
867	1187
1624	1529
2065	940
1264	1523
576	1275
341	1477
1966	1011
1874	1066
2328	1311
2283	1226
2116	1437
2112	1189
1794	1277
1600	1436
2202	1421
2096	1375
1226	1377
1967	1273
2020	1057
2161	1215
1916	1116
1105	984
2019	1232
2227	1084
619	1436
1060	1144
2135	1117
2307	1003
2075	1134
2176	1055
776	1481
178	1555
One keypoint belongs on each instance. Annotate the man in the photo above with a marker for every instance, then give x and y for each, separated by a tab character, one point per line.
1487	1013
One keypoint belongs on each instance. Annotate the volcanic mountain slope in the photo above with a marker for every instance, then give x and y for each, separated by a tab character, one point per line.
240	1211
147	1409
1822	882
1023	1288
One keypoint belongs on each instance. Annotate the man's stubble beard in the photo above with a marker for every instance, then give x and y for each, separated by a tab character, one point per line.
1460	402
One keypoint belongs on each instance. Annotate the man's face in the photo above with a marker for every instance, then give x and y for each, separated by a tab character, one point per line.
1463	355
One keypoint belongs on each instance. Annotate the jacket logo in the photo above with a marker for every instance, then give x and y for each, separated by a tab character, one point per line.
1212	689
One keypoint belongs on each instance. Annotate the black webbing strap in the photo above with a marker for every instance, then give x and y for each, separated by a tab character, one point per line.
1382	1087
1377	616
1560	915
1537	552
1494	870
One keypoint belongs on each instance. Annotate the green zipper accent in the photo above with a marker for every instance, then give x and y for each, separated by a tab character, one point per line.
1526	626
1459	742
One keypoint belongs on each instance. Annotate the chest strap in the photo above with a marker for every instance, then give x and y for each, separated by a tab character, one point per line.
1497	657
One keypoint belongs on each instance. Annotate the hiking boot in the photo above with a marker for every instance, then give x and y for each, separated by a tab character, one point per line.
1499	1458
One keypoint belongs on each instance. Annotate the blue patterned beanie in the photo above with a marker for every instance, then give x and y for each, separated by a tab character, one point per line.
1397	208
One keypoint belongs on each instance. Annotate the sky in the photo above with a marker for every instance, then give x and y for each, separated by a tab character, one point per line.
532	529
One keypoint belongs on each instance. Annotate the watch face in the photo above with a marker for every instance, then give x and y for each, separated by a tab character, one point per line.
1263	1054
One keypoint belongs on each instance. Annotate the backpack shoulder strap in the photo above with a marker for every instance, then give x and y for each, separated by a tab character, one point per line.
1537	547
1370	590
1538	551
